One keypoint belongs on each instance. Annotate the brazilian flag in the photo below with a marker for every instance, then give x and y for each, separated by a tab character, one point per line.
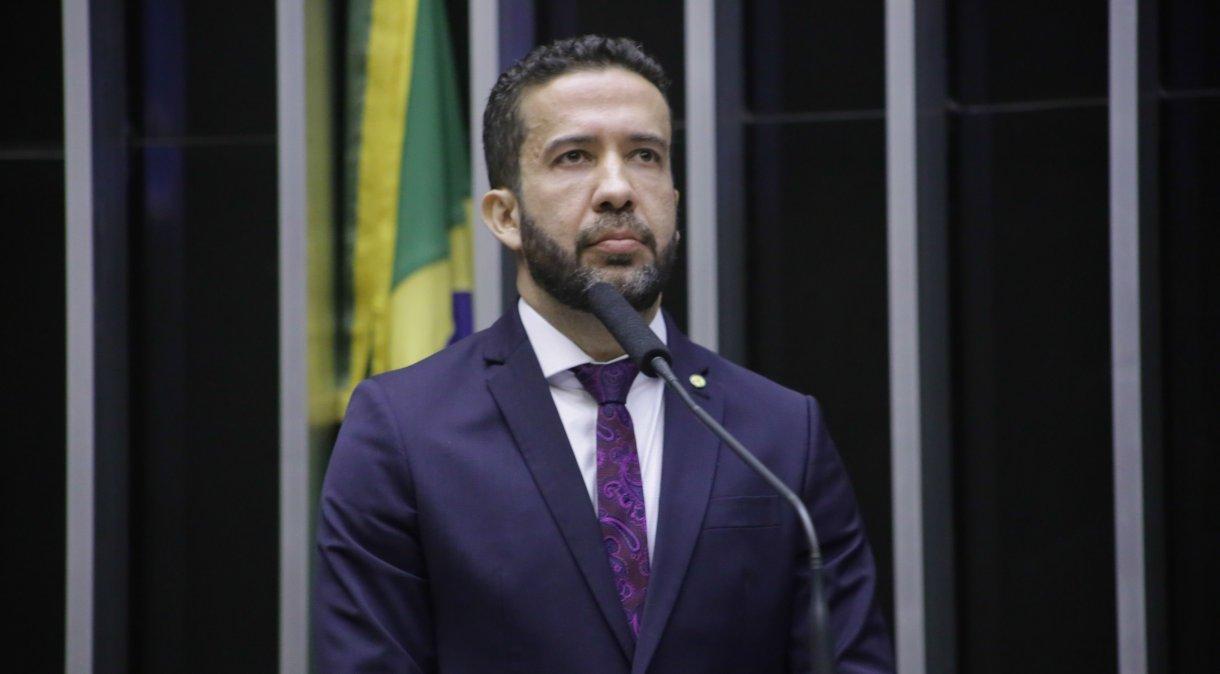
407	173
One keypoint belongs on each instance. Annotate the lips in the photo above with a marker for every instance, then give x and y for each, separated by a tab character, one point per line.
619	237
618	246
622	235
617	242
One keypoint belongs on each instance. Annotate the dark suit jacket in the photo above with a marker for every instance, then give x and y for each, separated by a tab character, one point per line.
456	533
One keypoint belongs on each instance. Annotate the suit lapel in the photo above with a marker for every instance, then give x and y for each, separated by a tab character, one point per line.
687	470
524	398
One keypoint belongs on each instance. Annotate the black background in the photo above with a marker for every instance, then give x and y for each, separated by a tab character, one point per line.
33	491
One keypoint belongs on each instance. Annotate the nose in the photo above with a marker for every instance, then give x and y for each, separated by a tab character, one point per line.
614	192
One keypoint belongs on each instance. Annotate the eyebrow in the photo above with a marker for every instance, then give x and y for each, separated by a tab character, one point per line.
585	139
573	139
649	138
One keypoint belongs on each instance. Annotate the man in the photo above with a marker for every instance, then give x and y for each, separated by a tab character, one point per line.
524	501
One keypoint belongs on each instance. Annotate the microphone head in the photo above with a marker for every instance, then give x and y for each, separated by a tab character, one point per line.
625	325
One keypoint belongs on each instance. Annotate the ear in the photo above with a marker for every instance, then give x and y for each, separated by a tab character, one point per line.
503	217
677	196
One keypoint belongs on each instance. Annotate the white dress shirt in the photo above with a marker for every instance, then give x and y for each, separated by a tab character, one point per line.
578	410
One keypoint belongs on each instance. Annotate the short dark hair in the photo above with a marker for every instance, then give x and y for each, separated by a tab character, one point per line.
503	131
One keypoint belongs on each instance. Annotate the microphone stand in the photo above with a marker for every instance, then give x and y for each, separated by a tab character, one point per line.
819	628
651	356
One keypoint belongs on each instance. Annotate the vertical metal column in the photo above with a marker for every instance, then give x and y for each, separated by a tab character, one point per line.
731	238
98	544
918	336
97	244
700	194
78	177
484	69
901	169
1125	338
1135	336
293	323
516	38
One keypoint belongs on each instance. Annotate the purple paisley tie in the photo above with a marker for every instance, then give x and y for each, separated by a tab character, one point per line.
620	491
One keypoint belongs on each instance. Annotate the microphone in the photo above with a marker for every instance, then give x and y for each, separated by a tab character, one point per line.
652	357
638	340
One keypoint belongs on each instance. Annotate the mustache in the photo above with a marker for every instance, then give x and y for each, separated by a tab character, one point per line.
612	222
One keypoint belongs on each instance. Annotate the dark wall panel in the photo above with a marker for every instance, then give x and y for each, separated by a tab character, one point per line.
1190	44
1190	239
32	484
31	45
228	52
1029	308
232	443
814	56
205	508
815	231
205	557
1003	52
1032	383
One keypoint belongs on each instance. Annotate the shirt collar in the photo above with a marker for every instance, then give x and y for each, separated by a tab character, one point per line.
556	353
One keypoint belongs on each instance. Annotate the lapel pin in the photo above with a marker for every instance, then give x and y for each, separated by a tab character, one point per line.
697	381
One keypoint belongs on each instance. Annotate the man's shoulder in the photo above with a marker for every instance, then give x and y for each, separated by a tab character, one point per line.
459	363
744	385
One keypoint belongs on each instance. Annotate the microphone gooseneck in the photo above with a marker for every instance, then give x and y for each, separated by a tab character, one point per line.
653	359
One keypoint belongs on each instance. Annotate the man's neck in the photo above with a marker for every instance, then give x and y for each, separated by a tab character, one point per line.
581	327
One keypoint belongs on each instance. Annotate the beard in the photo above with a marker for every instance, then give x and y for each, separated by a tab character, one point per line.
561	274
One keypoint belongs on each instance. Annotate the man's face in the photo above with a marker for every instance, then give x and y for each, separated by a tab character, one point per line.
597	195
